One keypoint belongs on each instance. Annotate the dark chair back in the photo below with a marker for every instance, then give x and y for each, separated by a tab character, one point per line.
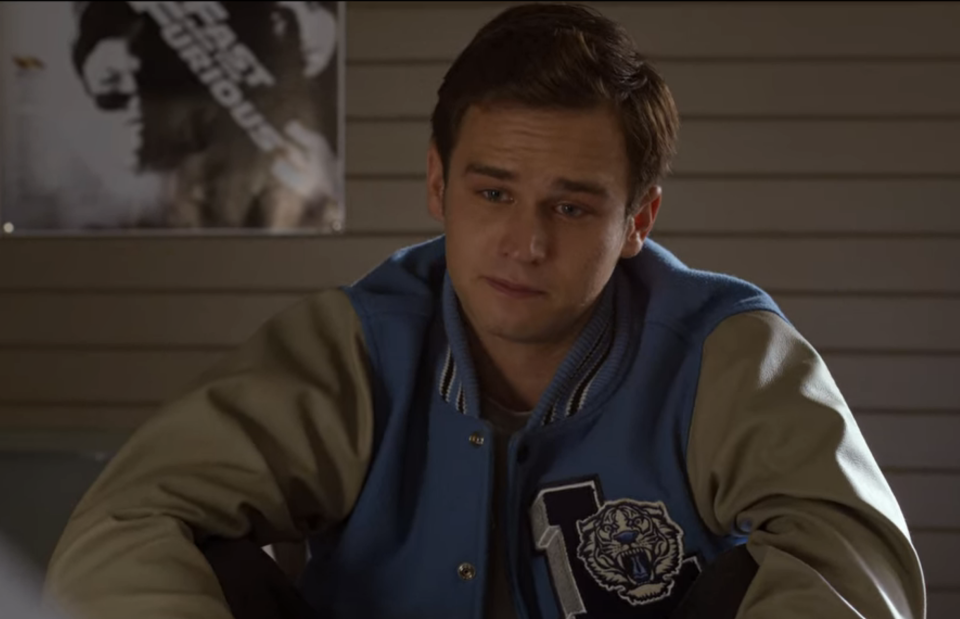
256	588
720	588
254	585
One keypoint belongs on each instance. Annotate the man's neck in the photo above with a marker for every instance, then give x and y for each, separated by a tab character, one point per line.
514	374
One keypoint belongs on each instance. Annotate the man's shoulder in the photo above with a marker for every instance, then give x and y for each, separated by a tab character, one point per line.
690	300
406	285
409	282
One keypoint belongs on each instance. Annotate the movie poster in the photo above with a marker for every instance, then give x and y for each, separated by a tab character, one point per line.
172	116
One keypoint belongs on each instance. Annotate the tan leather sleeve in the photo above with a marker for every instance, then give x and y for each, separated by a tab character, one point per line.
273	444
774	451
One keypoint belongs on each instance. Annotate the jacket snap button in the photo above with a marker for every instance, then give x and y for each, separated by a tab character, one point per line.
466	571
476	439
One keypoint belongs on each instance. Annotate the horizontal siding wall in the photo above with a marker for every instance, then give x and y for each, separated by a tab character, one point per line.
820	159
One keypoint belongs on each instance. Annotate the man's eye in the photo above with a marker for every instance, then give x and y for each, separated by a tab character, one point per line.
570	210
493	195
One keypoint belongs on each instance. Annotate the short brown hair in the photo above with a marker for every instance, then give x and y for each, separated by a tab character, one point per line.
564	56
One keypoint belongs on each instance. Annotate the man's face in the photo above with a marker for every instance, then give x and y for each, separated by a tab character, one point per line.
534	211
109	75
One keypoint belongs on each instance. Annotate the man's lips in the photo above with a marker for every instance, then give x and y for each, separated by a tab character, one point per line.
512	289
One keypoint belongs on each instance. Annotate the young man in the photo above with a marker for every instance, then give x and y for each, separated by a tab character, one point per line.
541	414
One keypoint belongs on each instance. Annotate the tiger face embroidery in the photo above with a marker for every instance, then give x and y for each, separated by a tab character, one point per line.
632	548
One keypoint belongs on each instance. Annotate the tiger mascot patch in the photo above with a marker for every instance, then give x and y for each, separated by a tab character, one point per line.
632	548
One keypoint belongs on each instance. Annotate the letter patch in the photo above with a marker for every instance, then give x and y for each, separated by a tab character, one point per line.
610	558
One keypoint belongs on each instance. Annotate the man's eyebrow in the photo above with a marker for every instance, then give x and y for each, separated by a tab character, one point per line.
563	184
578	186
489	170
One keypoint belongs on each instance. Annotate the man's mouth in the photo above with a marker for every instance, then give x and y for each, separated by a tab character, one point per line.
513	289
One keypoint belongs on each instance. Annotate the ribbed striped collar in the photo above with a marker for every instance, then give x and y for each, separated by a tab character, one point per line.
586	370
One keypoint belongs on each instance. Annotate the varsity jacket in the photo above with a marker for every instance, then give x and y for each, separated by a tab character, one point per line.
690	416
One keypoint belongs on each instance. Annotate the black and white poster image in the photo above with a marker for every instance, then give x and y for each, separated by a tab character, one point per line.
173	116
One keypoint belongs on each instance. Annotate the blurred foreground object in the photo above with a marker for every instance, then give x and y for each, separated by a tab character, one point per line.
20	588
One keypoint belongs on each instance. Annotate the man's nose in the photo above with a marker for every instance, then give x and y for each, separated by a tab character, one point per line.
525	237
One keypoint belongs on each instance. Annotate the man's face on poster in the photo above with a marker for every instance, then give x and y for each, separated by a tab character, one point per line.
109	76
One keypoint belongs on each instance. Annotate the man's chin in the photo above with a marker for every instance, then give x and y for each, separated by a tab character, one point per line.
517	332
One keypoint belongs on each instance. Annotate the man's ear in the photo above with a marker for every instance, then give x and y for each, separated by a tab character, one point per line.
435	184
641	224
